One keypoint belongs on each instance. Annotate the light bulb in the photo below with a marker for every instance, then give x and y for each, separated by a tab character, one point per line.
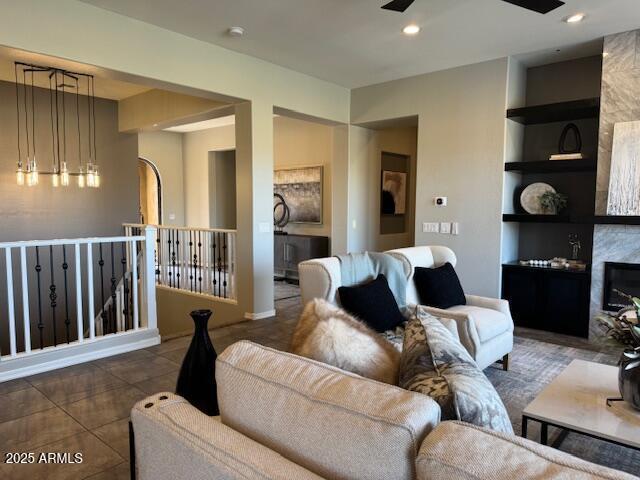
64	175
34	173
81	178
55	179
20	176
96	178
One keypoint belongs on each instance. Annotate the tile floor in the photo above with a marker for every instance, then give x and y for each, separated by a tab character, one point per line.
85	408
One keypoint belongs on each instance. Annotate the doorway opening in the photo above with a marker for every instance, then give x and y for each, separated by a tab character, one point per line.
150	207
222	189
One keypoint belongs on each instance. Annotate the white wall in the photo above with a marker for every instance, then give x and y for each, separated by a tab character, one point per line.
195	153
164	150
460	155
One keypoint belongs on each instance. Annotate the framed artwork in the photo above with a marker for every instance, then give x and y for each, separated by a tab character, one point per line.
301	188
394	193
624	180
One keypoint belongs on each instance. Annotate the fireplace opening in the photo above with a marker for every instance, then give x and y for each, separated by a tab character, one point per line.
624	277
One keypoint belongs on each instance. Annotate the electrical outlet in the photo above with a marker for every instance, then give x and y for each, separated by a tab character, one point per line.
455	228
445	227
430	227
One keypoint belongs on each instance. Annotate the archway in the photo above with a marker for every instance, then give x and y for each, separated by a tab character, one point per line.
150	192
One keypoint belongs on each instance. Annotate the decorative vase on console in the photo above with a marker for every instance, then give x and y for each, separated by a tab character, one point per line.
623	327
197	378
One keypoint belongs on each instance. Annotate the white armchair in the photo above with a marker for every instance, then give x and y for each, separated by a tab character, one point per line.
485	326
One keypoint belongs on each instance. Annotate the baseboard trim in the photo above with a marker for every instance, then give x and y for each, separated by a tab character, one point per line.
260	315
52	358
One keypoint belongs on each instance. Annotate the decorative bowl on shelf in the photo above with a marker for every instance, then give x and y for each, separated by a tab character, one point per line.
530	198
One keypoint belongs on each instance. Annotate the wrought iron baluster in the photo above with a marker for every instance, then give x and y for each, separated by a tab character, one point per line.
125	287
103	306
157	256
200	256
178	247
213	262
219	264
53	297
65	267
226	264
113	319
172	253
38	269
191	261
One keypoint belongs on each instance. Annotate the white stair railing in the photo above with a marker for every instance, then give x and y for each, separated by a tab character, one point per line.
197	260
52	290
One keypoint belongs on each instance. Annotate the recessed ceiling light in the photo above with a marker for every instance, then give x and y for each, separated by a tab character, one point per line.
578	17
236	31
411	29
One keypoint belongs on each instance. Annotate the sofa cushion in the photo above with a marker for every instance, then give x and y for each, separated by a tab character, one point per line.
470	397
373	303
489	323
333	423
328	334
466	452
173	440
439	287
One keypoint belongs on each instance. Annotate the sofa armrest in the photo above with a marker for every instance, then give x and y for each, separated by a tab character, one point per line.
467	333
175	440
497	304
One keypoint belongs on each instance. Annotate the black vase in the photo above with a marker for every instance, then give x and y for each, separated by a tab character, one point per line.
197	379
629	377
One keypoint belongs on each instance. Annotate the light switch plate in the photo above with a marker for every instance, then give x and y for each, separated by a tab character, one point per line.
430	227
455	228
445	227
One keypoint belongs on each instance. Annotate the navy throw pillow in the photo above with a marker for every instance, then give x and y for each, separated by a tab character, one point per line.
372	303
439	287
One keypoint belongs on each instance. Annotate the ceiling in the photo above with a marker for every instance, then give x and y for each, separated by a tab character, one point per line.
355	43
104	87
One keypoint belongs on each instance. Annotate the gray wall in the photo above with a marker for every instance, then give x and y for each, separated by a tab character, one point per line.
44	212
461	145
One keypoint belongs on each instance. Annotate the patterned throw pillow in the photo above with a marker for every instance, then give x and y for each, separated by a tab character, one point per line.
433	362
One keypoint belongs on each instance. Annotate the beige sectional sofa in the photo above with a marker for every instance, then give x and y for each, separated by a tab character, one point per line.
288	417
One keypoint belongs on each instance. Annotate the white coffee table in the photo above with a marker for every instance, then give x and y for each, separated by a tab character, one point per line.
576	401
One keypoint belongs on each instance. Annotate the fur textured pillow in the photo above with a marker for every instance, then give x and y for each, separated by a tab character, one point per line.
330	335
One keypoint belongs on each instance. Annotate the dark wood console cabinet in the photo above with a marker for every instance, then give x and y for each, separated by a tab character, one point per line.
548	299
291	249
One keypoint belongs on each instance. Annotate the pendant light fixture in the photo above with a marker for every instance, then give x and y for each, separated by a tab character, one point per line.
60	83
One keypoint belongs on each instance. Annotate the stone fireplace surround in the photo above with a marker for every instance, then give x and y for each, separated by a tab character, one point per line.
620	102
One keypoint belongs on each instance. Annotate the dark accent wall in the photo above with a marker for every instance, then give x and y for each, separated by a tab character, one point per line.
564	81
45	212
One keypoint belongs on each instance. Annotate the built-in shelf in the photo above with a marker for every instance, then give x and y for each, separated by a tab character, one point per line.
573	219
556	112
517	265
616	220
552	166
528	218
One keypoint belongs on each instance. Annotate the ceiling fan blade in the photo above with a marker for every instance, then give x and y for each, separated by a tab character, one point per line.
540	6
398	5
